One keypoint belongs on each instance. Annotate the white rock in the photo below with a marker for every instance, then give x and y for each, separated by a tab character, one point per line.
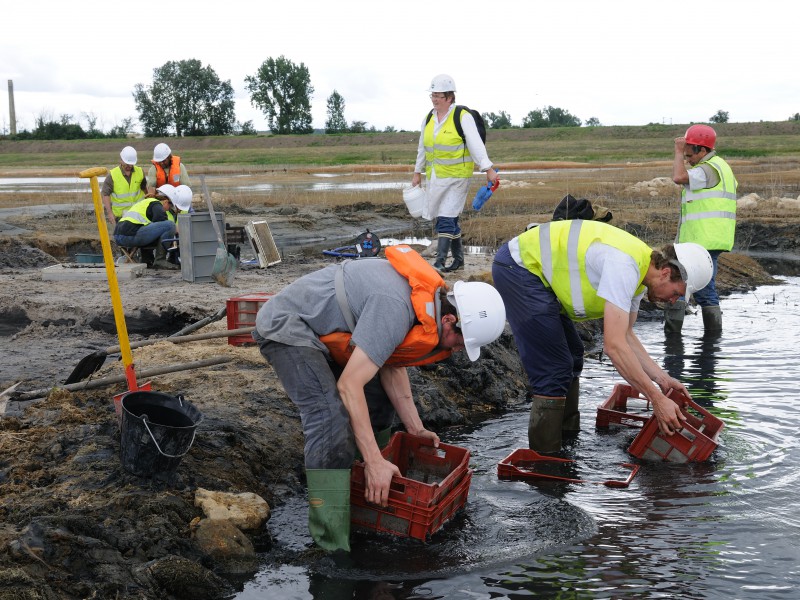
246	510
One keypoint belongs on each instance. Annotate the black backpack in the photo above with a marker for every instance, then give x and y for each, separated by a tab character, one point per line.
479	123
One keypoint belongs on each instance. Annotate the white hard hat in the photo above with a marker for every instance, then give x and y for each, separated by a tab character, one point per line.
481	314
442	83
183	197
169	191
128	155
161	152
695	265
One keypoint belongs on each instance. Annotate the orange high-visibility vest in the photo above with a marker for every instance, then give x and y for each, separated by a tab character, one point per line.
419	347
174	172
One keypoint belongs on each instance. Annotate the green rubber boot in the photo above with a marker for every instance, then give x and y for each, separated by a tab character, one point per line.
572	416
673	317
712	318
544	425
329	507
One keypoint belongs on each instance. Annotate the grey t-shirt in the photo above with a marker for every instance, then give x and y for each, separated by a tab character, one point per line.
379	298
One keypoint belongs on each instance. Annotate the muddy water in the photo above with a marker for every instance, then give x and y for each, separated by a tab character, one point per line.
726	528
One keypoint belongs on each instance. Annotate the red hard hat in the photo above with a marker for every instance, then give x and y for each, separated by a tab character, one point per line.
701	135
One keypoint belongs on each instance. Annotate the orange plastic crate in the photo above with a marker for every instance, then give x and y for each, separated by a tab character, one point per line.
403	519
241	312
616	408
694	443
526	464
427	474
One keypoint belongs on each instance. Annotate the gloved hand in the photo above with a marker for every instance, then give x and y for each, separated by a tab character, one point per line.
484	193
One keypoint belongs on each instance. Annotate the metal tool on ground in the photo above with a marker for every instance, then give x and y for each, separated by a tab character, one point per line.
366	245
485	192
224	263
106	381
113	285
530	465
91	363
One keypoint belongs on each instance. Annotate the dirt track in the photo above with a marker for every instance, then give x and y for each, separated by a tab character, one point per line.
74	523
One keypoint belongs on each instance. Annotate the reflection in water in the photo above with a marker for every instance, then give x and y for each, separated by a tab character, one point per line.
696	365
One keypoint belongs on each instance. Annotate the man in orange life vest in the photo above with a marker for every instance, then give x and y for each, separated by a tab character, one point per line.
340	339
167	169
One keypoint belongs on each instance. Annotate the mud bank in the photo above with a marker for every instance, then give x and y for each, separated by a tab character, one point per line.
75	524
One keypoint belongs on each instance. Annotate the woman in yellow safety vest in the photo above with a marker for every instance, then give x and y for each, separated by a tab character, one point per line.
448	160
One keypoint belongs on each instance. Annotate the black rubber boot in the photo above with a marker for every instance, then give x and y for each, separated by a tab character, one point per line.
712	318
441	252
544	425
572	416
458	256
673	317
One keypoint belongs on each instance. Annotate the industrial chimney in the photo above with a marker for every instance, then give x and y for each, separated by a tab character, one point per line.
11	114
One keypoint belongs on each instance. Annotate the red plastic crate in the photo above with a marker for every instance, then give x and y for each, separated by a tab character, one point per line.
241	312
616	409
402	519
428	474
694	443
527	464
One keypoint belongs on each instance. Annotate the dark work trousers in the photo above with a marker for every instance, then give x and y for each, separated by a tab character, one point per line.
708	296
309	380
548	342
448	227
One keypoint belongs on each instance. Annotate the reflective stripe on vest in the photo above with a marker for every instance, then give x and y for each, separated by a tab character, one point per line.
174	172
446	152
138	213
126	194
556	253
708	216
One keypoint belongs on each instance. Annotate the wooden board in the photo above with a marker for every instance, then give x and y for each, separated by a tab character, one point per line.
263	244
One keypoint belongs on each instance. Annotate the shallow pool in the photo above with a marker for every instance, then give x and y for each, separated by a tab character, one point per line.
726	528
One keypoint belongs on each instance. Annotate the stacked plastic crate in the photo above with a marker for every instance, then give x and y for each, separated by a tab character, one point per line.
433	486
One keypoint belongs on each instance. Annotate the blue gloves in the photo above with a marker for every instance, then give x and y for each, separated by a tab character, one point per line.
484	193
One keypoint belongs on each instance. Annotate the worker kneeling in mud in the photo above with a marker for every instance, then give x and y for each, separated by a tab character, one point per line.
576	270
340	339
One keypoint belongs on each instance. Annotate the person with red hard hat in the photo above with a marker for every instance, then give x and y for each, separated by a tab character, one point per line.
708	215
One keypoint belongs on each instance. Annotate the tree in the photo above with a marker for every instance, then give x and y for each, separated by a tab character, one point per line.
121	130
550	116
501	121
185	98
282	90
593	122
720	117
795	117
336	122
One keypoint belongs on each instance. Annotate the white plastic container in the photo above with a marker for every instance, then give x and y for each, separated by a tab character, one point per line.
415	199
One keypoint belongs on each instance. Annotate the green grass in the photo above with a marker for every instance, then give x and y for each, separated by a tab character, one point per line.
597	145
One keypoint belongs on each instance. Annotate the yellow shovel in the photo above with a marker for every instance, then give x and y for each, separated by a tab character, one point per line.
113	286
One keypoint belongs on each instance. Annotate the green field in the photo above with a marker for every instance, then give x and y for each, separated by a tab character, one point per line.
568	144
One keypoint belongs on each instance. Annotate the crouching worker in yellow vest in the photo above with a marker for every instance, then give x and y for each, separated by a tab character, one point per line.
340	339
566	271
153	221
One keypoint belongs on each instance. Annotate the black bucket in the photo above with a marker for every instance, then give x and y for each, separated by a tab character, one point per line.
157	430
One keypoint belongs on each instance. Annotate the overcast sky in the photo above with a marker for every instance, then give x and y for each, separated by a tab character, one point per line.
622	62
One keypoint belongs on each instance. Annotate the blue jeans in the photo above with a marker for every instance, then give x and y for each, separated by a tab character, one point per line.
309	380
547	340
147	235
708	295
448	227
